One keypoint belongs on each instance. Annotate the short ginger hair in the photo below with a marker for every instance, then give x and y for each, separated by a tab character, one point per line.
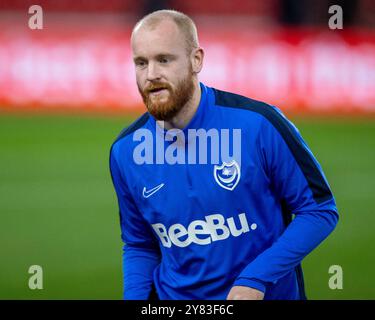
184	23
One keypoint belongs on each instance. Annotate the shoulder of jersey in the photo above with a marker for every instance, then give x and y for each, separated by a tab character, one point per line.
139	123
235	101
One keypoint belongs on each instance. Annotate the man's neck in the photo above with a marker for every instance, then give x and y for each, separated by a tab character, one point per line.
187	112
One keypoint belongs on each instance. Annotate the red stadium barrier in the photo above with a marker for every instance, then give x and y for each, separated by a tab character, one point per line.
83	68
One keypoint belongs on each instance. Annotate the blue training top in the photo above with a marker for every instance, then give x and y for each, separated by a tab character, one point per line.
203	210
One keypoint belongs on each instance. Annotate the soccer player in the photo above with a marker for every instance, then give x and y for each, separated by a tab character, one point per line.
198	226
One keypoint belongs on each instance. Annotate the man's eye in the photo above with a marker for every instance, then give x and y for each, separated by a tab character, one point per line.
163	60
140	63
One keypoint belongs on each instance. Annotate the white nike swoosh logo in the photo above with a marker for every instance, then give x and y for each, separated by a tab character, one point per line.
149	193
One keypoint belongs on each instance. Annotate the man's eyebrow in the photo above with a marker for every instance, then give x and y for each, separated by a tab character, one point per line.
138	58
165	55
158	56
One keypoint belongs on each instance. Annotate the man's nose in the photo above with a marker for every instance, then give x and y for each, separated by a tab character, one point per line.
153	72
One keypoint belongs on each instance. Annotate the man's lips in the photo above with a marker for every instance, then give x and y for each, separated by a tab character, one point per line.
157	91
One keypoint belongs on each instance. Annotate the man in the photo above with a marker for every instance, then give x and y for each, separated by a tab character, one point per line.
216	228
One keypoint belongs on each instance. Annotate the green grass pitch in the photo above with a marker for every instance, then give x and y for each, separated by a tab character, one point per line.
58	209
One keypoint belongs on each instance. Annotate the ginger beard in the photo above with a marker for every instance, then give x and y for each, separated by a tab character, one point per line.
165	104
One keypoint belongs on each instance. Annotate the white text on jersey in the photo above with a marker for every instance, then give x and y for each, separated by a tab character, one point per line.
213	228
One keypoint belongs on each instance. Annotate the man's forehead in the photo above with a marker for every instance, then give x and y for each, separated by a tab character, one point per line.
162	30
163	37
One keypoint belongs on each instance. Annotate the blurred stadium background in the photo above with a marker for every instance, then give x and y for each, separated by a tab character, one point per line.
67	90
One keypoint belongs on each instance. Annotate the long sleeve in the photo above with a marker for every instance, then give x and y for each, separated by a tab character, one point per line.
299	184
141	253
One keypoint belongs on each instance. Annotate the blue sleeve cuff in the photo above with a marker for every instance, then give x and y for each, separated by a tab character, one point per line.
252	283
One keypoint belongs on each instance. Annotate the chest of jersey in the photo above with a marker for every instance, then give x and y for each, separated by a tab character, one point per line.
208	200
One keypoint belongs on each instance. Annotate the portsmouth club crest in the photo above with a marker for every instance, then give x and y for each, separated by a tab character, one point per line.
227	175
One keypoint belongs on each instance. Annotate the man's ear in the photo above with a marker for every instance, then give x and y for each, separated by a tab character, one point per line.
197	59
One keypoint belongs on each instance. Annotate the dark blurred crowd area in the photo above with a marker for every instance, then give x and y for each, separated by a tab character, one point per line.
359	13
